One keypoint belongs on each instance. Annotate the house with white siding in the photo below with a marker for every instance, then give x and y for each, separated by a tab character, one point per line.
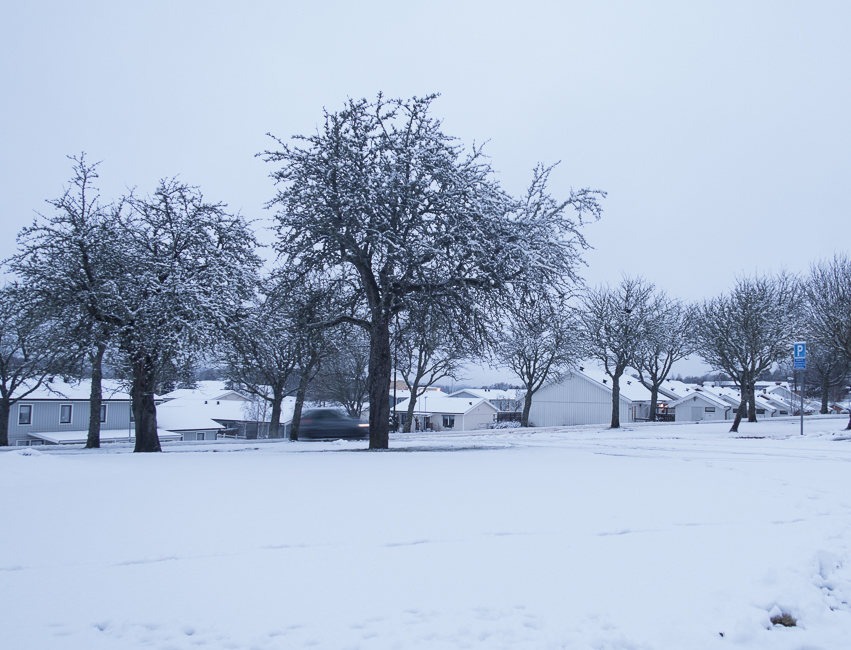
584	396
699	405
441	413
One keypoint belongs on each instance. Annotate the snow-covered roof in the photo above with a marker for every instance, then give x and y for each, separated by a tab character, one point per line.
630	387
702	394
487	393
677	388
443	404
185	413
79	390
206	390
110	435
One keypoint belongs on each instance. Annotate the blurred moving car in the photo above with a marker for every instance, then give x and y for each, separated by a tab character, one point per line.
329	424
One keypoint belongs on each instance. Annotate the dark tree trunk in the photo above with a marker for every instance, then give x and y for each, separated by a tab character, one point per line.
654	401
825	393
144	409
616	399
527	406
380	367
740	413
95	397
751	402
5	410
412	404
848	428
275	420
299	403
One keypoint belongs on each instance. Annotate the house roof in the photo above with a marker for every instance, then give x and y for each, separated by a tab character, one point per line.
487	393
442	404
79	391
676	388
702	394
630	388
206	390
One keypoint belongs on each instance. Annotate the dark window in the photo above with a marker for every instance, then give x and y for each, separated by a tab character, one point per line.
25	414
448	421
760	411
103	412
709	409
65	414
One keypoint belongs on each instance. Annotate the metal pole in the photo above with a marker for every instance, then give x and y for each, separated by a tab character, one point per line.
802	402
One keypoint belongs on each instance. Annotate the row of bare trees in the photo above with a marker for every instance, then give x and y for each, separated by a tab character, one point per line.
744	332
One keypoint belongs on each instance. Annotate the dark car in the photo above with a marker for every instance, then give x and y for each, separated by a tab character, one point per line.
329	424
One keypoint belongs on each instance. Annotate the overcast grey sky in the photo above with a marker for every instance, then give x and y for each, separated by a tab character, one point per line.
720	130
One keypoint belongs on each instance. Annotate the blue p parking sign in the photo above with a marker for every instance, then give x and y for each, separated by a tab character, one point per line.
800	356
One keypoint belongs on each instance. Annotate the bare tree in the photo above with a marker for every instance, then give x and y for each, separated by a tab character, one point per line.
382	196
666	341
343	378
429	347
826	370
745	332
187	268
828	309
540	340
615	324
67	261
29	354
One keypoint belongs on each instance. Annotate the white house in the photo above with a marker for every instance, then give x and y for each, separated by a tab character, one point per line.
502	399
701	404
584	396
211	410
441	413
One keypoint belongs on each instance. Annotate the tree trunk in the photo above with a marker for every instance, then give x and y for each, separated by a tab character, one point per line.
825	393
95	397
144	409
275	419
412	405
5	411
380	367
740	413
751	402
299	403
654	401
616	399
848	428
527	406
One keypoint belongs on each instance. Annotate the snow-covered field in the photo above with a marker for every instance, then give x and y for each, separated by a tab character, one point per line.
653	536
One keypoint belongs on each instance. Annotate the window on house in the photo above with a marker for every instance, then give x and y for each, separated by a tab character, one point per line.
199	435
103	412
760	411
448	421
65	414
784	412
709	409
25	414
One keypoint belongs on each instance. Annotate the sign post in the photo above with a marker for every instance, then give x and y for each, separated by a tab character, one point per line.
800	360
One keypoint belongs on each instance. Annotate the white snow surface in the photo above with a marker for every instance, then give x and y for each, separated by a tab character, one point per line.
653	536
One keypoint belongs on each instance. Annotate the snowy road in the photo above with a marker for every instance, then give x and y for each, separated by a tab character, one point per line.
654	536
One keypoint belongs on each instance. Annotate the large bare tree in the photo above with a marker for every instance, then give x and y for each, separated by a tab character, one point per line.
667	340
67	260
828	307
381	195
615	325
540	339
748	330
